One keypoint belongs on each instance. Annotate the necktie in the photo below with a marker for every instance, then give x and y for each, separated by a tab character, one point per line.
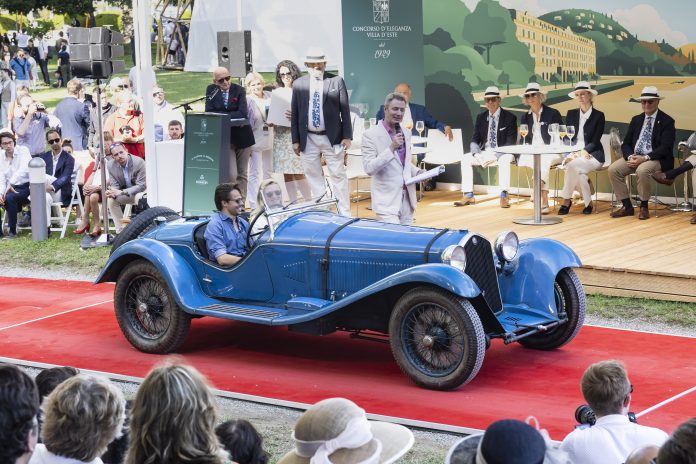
492	130
315	109
225	97
126	176
646	139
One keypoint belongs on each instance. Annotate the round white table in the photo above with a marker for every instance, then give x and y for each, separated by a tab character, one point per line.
537	151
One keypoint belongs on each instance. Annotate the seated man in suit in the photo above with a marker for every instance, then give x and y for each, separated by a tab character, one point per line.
647	148
14	178
494	127
386	153
226	233
126	184
667	177
416	112
59	167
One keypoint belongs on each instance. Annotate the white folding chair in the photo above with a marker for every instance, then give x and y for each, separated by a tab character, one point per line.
75	200
441	151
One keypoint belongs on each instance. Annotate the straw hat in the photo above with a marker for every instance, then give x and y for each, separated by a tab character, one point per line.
650	93
321	430
532	88
315	55
583	86
505	442
491	91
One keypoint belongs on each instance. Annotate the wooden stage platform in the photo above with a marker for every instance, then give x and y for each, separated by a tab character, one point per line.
655	258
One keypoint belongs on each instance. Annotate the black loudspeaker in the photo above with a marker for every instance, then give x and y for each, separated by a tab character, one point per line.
95	52
234	52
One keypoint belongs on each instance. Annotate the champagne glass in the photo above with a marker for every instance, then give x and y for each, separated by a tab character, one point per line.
571	133
553	131
524	130
562	131
420	127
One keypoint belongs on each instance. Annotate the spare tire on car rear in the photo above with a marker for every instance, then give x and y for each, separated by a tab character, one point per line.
141	223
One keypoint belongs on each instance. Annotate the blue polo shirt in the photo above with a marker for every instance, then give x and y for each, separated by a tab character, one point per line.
21	68
222	237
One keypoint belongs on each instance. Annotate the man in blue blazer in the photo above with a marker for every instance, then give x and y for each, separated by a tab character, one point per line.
60	165
416	112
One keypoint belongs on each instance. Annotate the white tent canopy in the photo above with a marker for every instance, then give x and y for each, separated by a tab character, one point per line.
280	30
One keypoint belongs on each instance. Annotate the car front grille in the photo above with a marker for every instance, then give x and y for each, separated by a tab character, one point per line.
481	268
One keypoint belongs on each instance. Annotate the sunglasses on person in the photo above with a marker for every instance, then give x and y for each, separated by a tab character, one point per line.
157	94
222	80
52	141
648	102
287	74
490	99
115	145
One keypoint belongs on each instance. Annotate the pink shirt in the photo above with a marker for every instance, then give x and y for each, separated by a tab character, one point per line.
401	151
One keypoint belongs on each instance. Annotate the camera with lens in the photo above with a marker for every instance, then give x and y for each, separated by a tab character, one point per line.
40	107
585	415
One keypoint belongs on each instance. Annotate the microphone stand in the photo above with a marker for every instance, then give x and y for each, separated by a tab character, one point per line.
187	105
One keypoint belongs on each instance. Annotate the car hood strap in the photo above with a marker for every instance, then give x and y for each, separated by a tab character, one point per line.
325	259
426	253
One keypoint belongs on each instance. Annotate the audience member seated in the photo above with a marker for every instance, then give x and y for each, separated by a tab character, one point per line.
643	455
680	448
19	407
74	115
116	451
91	192
126	184
226	233
81	417
647	148
667	177
164	114
589	123
337	430
494	127
48	379
505	441
242	442
175	130
126	124
59	171
607	390
538	119
173	419
14	179
269	198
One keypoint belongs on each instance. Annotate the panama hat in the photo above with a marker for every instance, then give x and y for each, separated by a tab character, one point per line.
532	88
337	431
492	91
315	55
583	86
505	441
650	93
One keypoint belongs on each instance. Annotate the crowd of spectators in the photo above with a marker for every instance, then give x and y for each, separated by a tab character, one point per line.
84	418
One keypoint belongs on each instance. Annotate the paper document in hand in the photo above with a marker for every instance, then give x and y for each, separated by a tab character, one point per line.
436	171
280	103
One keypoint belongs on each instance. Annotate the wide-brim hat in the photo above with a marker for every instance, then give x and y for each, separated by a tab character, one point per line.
650	93
327	419
315	55
491	91
582	86
532	88
505	441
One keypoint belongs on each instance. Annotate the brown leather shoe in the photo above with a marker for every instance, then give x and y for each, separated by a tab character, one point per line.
661	177
465	201
623	212
693	219
504	202
644	213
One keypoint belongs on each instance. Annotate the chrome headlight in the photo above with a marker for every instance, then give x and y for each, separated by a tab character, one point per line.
455	256
506	246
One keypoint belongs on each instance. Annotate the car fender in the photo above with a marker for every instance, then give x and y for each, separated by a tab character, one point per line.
529	279
180	278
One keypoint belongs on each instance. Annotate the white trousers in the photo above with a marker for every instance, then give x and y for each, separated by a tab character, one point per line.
115	208
576	178
469	160
546	162
260	169
318	145
405	215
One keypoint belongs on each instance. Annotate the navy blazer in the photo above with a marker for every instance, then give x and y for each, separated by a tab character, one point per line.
240	136
663	136
335	107
63	175
592	131
507	129
418	113
548	116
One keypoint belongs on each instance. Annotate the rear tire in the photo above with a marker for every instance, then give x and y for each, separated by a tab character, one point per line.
141	223
437	338
146	311
570	300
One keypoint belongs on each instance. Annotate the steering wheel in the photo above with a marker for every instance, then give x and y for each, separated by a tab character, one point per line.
252	236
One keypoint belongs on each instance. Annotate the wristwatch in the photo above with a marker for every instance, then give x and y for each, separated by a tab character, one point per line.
647	157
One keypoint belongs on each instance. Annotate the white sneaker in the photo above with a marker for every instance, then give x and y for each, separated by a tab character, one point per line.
545	210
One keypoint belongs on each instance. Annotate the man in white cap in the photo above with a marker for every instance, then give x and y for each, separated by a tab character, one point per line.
647	148
494	127
321	126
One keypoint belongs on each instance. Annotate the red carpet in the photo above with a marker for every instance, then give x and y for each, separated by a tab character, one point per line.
514	382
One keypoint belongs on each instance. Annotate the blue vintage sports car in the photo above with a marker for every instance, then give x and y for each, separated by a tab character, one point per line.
437	295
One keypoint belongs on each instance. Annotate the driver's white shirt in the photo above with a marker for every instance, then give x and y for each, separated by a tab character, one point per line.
610	440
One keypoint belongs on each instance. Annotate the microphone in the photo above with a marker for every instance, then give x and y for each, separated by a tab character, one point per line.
397	127
212	95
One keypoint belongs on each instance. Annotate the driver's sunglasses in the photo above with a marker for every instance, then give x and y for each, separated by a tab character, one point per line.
238	200
222	80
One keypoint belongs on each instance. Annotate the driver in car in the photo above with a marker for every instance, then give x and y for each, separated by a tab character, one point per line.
226	233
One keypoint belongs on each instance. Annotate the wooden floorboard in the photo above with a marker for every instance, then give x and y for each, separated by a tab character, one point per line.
654	258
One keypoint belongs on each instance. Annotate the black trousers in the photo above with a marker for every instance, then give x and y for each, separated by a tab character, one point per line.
43	64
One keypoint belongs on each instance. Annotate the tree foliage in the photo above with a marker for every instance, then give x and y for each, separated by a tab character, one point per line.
71	8
19	6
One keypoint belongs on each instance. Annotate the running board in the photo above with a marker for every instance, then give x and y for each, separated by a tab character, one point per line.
248	313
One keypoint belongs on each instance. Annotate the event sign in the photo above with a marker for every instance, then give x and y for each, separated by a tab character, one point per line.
382	46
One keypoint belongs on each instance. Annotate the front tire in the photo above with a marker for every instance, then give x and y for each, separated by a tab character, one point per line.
437	338
570	300
146	311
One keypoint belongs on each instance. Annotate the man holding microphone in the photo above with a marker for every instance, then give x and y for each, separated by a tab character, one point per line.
386	153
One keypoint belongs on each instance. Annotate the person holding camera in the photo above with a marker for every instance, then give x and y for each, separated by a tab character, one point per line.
607	390
31	125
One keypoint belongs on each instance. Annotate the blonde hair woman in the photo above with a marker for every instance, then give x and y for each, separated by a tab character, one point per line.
126	124
261	158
